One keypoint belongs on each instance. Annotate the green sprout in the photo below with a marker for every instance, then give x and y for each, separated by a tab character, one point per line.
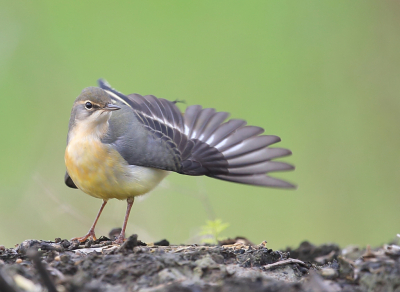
211	231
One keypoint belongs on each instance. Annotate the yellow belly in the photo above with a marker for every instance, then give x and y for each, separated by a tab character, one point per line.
100	171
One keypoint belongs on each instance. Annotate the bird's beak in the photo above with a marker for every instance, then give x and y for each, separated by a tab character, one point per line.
111	107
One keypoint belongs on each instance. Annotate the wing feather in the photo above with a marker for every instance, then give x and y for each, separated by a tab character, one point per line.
201	142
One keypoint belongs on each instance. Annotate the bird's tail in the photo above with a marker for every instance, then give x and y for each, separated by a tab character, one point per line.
230	150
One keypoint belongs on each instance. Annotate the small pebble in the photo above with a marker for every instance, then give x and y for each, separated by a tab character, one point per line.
18	261
74	245
57	258
64	258
65	243
328	273
2	248
88	243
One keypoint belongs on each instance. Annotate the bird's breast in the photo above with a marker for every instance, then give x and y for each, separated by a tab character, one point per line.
100	171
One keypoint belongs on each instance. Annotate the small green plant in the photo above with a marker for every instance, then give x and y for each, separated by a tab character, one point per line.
211	231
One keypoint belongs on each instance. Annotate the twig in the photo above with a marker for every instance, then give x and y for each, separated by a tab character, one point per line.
34	256
181	249
285	262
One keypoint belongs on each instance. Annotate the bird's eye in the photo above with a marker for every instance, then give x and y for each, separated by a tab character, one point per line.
88	105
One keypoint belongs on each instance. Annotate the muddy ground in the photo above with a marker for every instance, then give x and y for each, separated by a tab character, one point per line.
234	265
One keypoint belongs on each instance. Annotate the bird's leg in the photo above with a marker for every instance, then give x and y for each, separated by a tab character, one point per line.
121	237
91	230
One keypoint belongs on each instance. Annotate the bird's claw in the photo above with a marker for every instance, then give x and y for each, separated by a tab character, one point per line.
90	235
119	240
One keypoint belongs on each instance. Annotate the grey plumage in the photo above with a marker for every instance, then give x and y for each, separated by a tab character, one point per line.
198	143
68	181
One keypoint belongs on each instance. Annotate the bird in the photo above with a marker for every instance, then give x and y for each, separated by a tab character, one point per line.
122	146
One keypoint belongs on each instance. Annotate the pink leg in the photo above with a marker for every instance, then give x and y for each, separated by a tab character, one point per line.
121	237
91	230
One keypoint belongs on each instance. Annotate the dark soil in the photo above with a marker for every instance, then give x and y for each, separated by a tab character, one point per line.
233	266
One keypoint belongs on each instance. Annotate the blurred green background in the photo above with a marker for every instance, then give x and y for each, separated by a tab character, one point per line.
323	75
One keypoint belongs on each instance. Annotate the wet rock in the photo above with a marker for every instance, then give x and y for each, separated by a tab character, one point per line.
102	239
26	245
163	242
74	245
51	246
65	243
130	243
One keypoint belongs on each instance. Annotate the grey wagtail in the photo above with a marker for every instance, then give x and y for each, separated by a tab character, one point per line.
121	146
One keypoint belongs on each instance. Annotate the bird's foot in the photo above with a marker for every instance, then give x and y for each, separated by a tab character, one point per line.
120	239
90	235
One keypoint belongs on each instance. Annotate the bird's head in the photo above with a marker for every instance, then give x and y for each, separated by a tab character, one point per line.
92	110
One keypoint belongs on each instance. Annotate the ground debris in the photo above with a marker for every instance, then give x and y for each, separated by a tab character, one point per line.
234	265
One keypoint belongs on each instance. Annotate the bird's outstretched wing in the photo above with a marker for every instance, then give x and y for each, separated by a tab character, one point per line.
150	131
